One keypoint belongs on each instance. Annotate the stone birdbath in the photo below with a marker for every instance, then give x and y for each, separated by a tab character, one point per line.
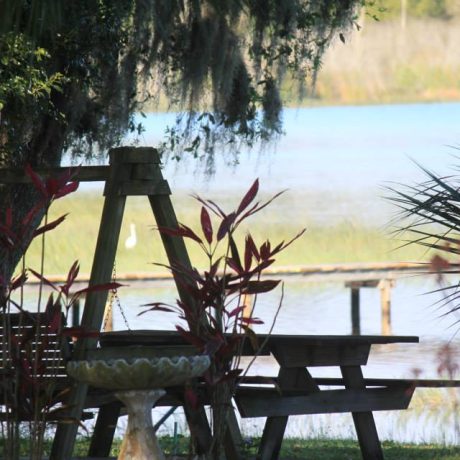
139	383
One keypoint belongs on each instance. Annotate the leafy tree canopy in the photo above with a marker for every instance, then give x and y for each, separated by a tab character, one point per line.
73	74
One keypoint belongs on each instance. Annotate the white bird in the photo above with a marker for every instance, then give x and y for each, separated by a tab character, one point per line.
131	241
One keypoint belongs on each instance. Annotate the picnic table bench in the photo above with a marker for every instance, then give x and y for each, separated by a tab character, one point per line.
294	391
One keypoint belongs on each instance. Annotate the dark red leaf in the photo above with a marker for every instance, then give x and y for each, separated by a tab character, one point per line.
249	197
210	205
31	214
36	180
225	225
215	267
206	225
19	281
71	277
251	320
9	216
191	398
52	186
234	266
283	245
258	287
265	250
257	207
42	278
264	264
55	322
235	254
49	226
250	251
98	288
197	342
212	346
182	231
235	311
66	189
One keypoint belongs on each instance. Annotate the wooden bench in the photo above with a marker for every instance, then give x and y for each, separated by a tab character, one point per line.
47	357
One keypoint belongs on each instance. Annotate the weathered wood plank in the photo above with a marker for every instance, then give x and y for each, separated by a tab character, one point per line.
369	382
106	247
104	430
289	380
262	402
142	188
366	430
164	337
296	354
272	438
233	441
137	155
83	174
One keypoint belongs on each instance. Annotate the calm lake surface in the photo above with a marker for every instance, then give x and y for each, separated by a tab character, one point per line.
346	155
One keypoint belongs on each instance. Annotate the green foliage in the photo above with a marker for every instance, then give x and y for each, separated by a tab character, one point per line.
25	89
225	57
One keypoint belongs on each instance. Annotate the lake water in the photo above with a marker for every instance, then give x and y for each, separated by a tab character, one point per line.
342	154
348	152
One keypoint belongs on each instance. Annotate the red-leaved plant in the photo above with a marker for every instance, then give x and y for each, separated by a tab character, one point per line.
35	344
218	316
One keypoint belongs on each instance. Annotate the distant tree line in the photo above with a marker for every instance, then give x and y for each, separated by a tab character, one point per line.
429	9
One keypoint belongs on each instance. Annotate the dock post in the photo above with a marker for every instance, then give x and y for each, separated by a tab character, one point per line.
76	313
385	286
355	286
355	311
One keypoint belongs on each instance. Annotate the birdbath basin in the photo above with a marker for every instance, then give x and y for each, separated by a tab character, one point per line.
139	383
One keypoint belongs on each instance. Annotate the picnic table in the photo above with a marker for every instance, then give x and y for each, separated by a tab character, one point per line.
295	391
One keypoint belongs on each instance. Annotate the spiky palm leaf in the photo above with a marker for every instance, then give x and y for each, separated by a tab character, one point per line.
430	211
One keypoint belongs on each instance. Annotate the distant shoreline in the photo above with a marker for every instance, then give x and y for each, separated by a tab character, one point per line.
384	64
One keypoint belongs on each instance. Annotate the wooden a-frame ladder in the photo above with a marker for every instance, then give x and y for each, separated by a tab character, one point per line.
132	172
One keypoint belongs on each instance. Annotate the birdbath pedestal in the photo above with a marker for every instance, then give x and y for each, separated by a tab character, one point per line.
139	383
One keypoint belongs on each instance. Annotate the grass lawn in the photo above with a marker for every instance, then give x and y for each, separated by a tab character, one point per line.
325	241
317	449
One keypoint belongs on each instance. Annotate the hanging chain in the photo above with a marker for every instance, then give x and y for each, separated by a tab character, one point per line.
114	298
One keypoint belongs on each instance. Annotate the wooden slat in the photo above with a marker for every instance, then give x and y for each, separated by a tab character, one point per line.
369	382
136	155
83	174
142	188
363	418
106	246
272	438
295	354
162	337
261	402
297	379
104	430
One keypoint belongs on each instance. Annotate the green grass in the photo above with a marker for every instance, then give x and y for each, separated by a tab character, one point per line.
326	449
297	449
327	240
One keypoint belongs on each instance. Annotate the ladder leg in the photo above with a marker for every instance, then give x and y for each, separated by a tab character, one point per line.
104	430
104	257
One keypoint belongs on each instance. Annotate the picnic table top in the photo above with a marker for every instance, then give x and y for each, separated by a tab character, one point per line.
159	337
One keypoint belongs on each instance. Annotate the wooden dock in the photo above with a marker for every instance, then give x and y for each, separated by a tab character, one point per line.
355	276
358	271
